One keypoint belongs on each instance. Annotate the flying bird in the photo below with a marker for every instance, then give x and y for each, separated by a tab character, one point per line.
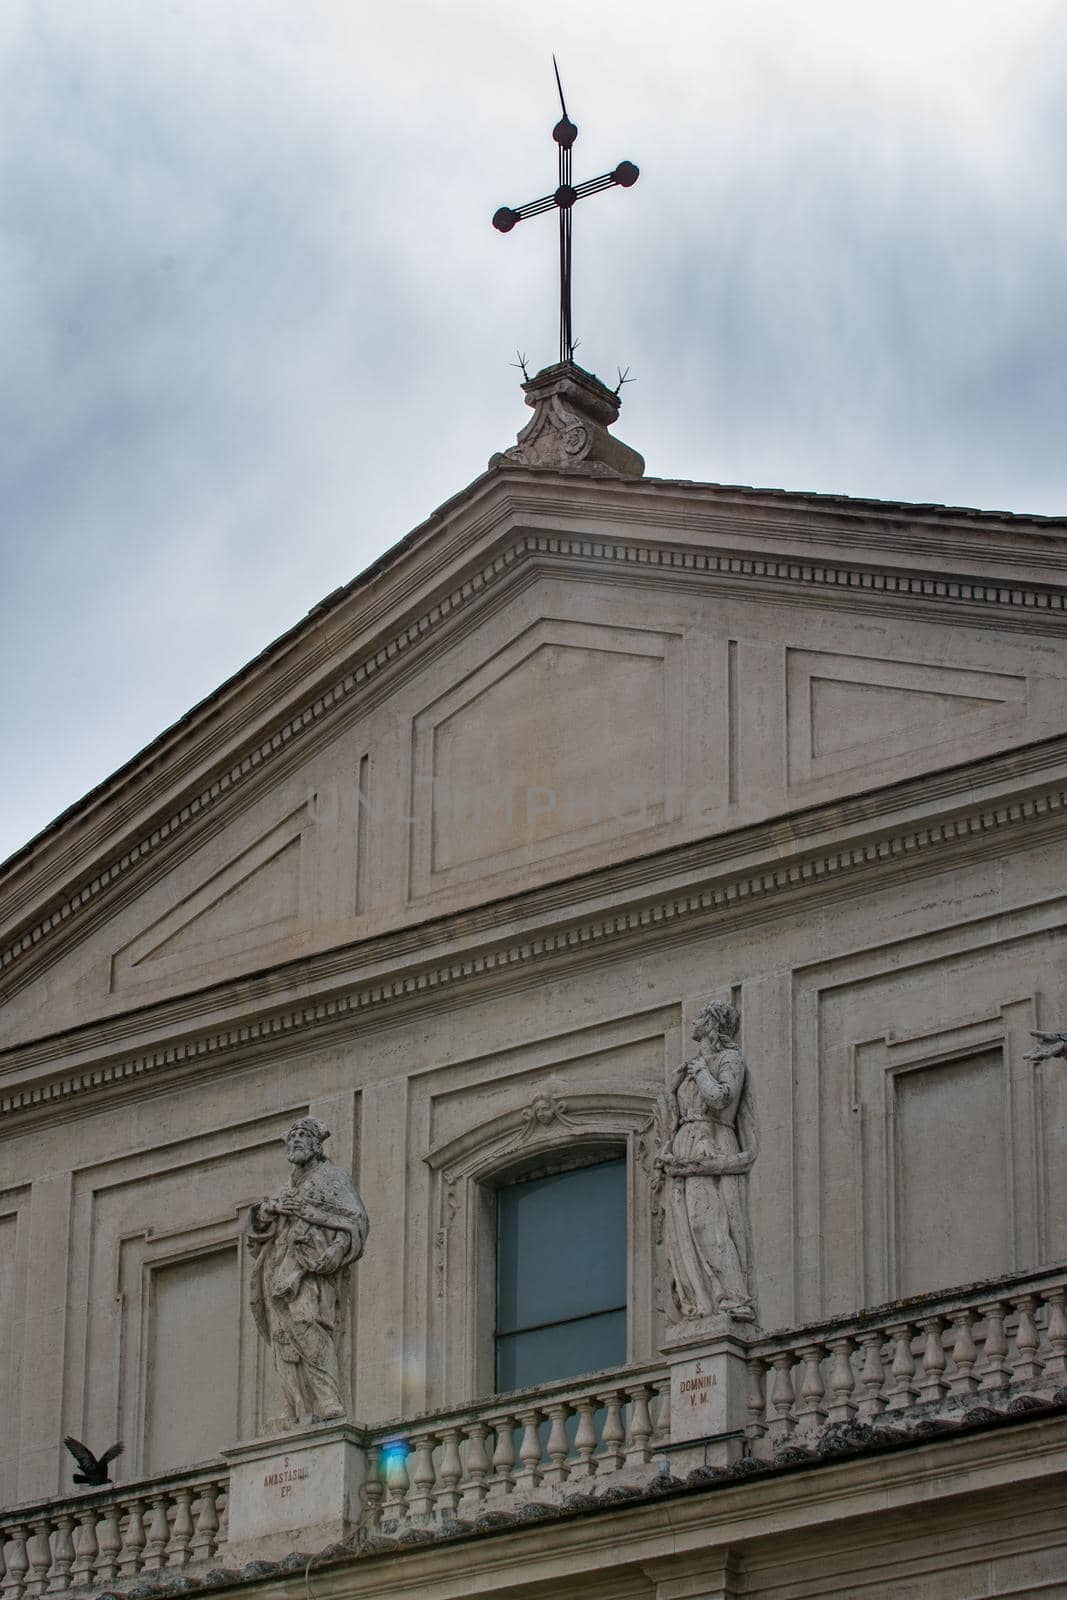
93	1468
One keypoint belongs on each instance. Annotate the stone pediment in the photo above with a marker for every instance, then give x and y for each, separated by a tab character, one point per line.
551	675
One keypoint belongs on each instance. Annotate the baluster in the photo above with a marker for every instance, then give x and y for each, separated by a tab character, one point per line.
107	1566
964	1354
181	1534
423	1477
557	1448
3	1563
397	1483
640	1429
63	1554
1056	1333
783	1422
502	1481
373	1488
585	1440
474	1489
612	1434
810	1412
133	1540
83	1571
932	1385
528	1475
158	1535
994	1348
18	1562
872	1376
40	1549
661	1431
902	1390
449	1471
842	1380
222	1490
1026	1367
204	1542
757	1400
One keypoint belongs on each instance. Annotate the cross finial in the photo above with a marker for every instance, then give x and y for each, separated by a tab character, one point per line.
624	176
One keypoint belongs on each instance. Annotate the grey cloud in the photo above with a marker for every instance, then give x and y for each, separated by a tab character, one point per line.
256	324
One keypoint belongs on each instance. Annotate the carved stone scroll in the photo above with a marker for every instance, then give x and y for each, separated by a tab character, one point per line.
572	412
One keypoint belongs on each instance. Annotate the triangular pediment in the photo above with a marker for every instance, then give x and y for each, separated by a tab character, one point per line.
550	676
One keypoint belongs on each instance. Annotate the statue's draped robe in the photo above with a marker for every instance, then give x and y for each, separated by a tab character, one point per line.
708	1232
300	1284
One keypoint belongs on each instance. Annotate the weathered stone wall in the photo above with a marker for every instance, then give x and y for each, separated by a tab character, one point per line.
836	808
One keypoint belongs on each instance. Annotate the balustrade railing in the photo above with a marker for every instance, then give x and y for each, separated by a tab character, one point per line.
111	1536
947	1351
486	1457
939	1356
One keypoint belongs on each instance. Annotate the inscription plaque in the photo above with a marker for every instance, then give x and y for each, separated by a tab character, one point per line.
698	1405
305	1484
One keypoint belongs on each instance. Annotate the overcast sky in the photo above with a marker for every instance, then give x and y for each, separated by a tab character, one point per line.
256	324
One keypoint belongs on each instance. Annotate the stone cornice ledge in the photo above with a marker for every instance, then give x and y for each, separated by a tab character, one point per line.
957	597
46	1075
657	1527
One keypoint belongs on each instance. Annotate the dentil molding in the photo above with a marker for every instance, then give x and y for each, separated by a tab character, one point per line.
956	599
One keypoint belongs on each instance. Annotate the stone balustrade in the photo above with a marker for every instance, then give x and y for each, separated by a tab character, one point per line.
886	1375
109	1537
948	1352
489	1457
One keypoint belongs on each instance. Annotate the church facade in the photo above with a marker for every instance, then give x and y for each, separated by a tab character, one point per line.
647	899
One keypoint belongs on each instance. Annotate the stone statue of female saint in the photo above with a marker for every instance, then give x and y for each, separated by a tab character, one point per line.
303	1244
708	1141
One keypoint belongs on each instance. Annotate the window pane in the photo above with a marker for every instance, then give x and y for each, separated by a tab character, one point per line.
561	1247
564	1351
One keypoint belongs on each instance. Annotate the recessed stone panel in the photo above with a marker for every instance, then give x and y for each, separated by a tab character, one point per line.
512	766
8	1353
252	901
191	1409
846	711
952	1162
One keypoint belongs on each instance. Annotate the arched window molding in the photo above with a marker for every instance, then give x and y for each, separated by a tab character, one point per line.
557	1129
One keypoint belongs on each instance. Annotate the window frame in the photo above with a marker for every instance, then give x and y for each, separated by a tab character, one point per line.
468	1171
572	1158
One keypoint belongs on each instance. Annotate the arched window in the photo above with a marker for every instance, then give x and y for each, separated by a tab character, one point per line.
561	1273
534	1280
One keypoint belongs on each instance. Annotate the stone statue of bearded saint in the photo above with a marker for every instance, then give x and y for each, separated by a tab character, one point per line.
708	1141
303	1244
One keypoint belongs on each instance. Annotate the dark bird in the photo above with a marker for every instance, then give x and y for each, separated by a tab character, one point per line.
93	1468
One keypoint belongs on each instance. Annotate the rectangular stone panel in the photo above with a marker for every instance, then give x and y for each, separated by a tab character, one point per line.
8	1351
511	765
952	1177
191	1382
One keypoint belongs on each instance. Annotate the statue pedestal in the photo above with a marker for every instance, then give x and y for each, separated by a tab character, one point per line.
297	1490
709	1391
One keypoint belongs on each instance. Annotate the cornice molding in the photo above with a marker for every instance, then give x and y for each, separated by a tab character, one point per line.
886	528
752	892
782	577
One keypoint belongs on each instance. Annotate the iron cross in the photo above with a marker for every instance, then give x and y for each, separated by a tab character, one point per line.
624	175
